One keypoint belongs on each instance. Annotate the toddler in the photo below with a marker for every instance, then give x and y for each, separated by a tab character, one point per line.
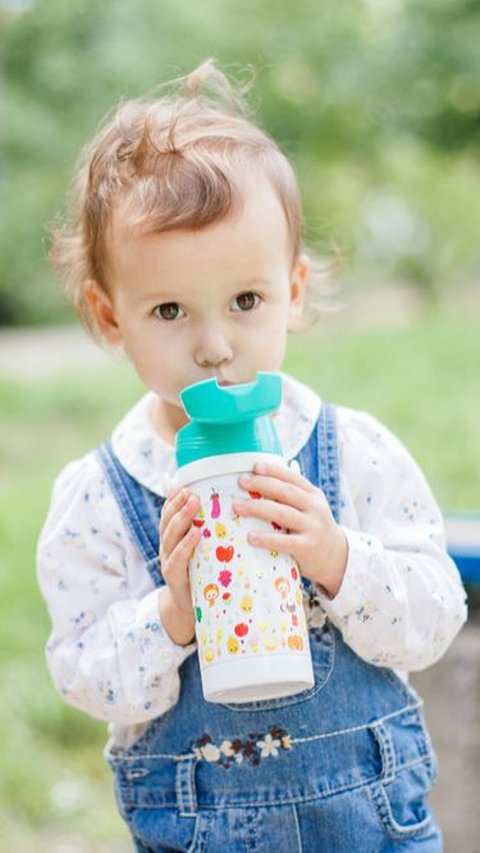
184	248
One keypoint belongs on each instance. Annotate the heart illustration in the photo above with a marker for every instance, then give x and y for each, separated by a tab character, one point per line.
224	555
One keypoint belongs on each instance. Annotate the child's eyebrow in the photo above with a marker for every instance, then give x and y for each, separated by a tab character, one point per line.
254	282
237	286
155	297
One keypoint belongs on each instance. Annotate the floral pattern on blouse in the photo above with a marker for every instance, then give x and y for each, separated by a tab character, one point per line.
400	605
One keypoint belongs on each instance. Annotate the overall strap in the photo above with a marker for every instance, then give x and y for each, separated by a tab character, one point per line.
318	458
139	506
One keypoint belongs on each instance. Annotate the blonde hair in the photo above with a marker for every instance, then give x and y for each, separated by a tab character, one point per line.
171	162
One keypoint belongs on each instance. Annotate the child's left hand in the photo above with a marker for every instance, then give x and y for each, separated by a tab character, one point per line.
315	541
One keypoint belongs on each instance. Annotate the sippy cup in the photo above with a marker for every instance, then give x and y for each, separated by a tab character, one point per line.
250	625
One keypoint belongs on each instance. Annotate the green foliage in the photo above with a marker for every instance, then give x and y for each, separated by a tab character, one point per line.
378	104
434	57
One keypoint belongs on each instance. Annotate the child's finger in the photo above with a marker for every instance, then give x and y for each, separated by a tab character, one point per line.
172	507
178	524
286	492
285	473
173	492
174	567
281	542
272	511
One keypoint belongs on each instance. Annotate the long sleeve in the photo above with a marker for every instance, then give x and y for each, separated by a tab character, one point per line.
108	653
401	602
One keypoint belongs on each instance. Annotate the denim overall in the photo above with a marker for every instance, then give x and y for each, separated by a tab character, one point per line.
345	766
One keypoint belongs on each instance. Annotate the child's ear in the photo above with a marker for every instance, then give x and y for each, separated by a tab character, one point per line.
298	283
102	311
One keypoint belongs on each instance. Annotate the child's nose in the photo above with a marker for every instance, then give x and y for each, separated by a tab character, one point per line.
213	347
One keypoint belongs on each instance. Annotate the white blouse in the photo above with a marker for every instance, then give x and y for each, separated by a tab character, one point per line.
400	605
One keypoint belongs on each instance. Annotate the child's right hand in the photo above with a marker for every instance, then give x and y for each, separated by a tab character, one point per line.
178	538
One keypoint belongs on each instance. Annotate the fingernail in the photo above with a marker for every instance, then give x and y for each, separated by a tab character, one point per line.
245	479
260	468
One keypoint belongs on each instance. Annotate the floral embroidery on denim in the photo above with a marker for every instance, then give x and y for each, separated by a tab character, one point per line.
253	749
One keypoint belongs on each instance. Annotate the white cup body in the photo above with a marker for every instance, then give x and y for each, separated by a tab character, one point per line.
250	626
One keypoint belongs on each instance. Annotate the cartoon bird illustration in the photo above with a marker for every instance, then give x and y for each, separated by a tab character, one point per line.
211	593
215	508
221	530
233	645
246	604
270	643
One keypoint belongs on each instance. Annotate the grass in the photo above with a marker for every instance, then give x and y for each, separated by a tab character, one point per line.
423	381
55	792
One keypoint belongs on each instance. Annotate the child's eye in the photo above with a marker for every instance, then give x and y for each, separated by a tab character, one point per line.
246	301
168	311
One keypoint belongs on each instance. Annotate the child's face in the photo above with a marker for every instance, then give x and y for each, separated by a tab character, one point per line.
191	305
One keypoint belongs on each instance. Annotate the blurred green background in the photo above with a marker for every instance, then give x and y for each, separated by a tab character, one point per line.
377	102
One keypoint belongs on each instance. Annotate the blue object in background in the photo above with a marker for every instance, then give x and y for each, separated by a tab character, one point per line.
463	540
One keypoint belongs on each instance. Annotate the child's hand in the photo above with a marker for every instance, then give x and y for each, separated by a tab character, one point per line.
178	538
315	541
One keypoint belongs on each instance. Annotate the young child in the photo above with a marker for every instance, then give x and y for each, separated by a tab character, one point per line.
184	248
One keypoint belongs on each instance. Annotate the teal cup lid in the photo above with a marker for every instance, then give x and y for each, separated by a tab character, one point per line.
229	418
